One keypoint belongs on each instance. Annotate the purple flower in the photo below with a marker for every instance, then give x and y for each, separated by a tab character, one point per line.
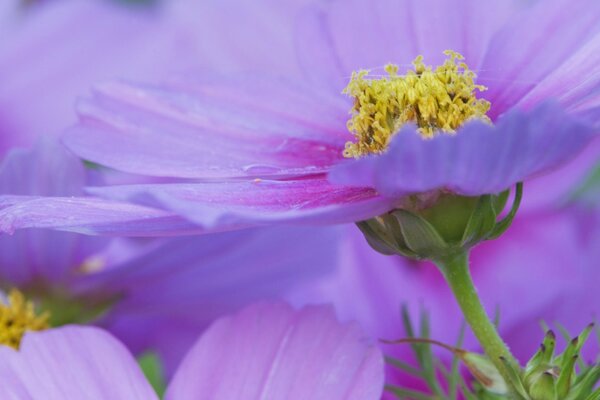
272	148
156	294
267	350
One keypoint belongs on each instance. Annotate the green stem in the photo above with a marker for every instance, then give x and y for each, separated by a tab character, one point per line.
456	271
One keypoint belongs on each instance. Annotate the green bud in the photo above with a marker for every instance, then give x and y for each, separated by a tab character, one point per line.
543	388
438	229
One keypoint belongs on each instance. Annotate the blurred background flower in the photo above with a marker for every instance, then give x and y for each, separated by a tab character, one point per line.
267	350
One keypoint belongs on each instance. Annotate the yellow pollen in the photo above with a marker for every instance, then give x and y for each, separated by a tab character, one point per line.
439	100
18	317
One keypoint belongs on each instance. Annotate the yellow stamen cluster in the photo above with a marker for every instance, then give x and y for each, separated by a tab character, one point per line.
17	317
436	100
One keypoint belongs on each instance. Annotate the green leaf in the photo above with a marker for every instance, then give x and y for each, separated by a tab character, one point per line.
585	385
595	395
455	375
152	368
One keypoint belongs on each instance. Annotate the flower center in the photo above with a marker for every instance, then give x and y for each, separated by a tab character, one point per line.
17	317
435	100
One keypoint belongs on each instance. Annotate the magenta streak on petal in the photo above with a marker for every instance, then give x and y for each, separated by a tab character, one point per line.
224	205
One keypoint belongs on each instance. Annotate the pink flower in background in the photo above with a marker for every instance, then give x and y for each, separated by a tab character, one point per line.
267	350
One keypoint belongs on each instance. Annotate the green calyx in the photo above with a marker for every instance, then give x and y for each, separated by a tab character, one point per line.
453	224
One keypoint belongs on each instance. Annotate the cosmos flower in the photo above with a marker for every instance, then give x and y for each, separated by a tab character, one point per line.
267	350
273	146
271	150
153	294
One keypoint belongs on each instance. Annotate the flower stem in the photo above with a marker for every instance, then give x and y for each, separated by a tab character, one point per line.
456	271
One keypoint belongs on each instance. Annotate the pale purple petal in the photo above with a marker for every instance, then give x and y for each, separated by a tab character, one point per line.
112	40
271	351
203	128
235	204
575	83
520	56
235	37
372	34
90	216
479	159
553	189
71	363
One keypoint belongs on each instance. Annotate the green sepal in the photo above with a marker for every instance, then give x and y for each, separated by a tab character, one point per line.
505	223
377	237
420	236
544	355
567	371
515	380
481	222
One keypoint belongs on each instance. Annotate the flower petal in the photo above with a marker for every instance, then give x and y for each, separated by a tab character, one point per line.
227	205
372	34
42	255
199	128
270	351
479	159
89	216
36	98
519	57
71	363
575	83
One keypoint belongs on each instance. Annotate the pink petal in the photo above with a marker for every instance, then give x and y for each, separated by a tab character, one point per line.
270	351
71	363
206	128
